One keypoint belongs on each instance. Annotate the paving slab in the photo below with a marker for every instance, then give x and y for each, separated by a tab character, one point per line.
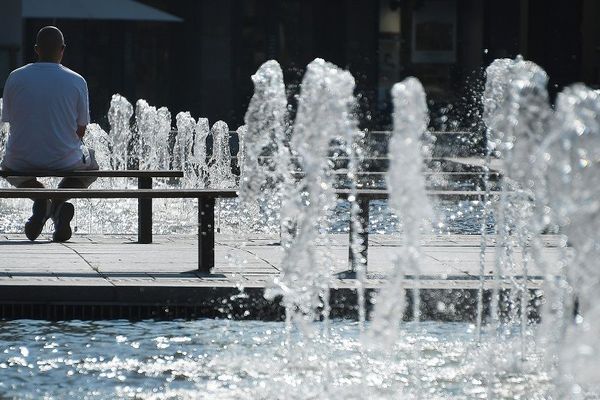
101	270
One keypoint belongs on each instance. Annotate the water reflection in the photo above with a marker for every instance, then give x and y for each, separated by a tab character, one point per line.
232	360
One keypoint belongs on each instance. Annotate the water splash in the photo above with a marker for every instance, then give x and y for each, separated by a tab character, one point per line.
266	159
160	152
409	201
182	151
152	128
119	118
530	112
324	107
100	141
517	114
199	161
572	153
496	86
241	132
553	179
145	129
220	175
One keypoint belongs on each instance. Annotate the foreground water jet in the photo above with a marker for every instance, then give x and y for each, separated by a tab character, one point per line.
265	167
572	154
517	115
408	199
324	106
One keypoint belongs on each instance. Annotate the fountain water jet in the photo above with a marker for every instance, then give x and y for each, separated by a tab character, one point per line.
100	141
119	117
241	132
572	155
201	131
409	201
265	165
516	113
160	148
220	175
153	128
182	151
324	108
145	128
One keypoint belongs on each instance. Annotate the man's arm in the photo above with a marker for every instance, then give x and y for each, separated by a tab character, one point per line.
83	111
5	102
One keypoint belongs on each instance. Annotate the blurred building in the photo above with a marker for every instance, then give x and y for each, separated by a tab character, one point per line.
198	55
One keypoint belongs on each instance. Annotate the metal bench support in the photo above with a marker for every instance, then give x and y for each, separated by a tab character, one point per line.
145	213
206	234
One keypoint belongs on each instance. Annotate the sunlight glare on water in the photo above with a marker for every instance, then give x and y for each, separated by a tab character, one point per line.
244	360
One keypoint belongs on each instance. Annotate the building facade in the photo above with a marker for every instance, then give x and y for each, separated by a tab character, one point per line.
203	63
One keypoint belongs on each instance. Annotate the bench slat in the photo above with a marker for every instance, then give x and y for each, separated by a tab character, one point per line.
179	174
426	173
100	173
116	193
200	193
379	194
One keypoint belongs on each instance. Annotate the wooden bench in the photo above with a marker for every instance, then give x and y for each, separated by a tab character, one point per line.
206	206
363	200
206	202
144	182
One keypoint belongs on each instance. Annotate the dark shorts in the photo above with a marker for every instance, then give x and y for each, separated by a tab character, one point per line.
80	182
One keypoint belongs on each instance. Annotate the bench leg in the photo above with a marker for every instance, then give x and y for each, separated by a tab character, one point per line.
206	234
363	215
145	213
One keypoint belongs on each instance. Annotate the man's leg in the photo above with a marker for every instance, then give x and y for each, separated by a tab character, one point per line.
62	210
28	183
40	210
41	207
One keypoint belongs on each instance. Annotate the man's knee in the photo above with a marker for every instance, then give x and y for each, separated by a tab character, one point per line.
73	183
30	184
88	180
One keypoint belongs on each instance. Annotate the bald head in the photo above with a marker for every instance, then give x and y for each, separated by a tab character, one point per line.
49	44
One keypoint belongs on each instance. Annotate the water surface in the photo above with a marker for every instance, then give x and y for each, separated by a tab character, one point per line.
222	359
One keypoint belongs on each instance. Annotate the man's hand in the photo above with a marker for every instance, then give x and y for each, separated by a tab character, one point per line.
80	131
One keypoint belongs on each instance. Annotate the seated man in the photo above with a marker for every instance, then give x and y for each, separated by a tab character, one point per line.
46	105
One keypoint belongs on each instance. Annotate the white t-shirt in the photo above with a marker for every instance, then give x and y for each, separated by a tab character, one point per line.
44	103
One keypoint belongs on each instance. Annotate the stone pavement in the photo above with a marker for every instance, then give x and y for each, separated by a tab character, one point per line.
113	269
